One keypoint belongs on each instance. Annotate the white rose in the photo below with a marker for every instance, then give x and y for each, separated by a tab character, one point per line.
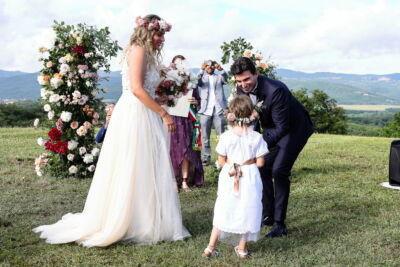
64	68
70	157
39	173
40	141
47	107
81	71
56	82
61	60
76	94
88	158
82	150
73	169
88	84
96	65
82	131
66	116
41	80
91	168
36	123
94	92
54	98
50	115
72	145
95	151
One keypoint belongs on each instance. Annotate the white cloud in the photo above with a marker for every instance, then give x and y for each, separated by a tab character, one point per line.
357	37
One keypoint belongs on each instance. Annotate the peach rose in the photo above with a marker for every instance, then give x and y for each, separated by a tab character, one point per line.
247	53
263	65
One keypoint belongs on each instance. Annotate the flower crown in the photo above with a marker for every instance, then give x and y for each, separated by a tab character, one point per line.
242	121
156	25
246	120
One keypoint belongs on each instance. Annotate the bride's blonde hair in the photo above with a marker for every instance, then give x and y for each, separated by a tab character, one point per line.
143	37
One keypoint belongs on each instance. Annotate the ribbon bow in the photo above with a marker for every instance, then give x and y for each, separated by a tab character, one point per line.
236	171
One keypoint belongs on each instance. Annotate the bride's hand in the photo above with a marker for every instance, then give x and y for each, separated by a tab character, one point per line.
167	120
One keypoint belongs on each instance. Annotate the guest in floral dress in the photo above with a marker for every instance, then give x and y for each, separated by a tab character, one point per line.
182	154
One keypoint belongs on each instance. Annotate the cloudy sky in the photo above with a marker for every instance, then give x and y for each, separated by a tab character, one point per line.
346	36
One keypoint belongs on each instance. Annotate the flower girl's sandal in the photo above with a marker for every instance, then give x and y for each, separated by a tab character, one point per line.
208	253
241	254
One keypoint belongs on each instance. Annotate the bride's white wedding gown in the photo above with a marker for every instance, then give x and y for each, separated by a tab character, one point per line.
133	195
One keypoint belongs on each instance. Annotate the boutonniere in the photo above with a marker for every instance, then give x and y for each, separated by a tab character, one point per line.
259	107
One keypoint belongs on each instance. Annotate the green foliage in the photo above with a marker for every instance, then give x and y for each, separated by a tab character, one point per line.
392	128
363	129
21	114
324	112
70	84
239	48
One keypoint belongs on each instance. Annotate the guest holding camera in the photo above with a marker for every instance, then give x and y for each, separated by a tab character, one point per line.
213	103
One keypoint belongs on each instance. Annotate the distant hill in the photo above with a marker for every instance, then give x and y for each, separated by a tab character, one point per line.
368	89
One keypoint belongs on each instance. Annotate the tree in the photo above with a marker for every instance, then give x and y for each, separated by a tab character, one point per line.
324	112
239	48
392	128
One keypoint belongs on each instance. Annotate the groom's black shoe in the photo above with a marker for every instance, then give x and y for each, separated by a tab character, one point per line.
268	221
277	230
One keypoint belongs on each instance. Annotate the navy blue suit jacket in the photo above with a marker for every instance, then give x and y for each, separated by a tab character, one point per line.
101	134
284	120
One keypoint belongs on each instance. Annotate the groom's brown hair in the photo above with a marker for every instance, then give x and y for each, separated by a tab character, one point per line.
241	65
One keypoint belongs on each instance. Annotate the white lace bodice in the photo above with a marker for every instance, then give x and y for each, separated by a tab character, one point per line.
151	79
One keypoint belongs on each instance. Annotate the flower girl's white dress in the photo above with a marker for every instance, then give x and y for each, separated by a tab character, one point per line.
240	214
133	195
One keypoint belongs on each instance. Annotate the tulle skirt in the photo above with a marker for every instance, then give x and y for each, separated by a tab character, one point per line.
133	194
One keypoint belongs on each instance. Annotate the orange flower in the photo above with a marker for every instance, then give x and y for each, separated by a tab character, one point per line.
58	75
263	65
247	53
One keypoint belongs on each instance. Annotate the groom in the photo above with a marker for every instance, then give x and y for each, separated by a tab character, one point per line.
286	128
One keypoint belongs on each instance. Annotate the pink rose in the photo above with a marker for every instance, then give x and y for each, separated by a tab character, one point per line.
258	56
231	117
87	125
74	125
49	64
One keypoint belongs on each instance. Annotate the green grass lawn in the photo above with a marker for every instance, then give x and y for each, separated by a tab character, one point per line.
338	215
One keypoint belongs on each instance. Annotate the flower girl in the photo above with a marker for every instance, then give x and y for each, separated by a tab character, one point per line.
238	208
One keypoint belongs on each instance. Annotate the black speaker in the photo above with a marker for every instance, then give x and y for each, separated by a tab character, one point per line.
394	163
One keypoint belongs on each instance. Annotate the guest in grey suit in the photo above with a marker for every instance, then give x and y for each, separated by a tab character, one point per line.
212	104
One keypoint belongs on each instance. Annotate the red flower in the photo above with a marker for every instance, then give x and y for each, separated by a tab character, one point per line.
55	134
61	147
49	145
79	49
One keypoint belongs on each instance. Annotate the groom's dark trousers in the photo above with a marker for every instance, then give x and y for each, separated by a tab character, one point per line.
286	127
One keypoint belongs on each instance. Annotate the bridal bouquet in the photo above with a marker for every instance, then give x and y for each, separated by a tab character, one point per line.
177	80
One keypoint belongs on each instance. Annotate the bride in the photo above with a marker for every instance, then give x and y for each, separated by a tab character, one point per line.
133	194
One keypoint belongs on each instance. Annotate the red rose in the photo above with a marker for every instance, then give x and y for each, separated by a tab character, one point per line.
80	50
49	145
61	147
55	134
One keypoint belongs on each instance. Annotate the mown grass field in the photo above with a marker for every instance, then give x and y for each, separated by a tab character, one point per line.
369	107
338	214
